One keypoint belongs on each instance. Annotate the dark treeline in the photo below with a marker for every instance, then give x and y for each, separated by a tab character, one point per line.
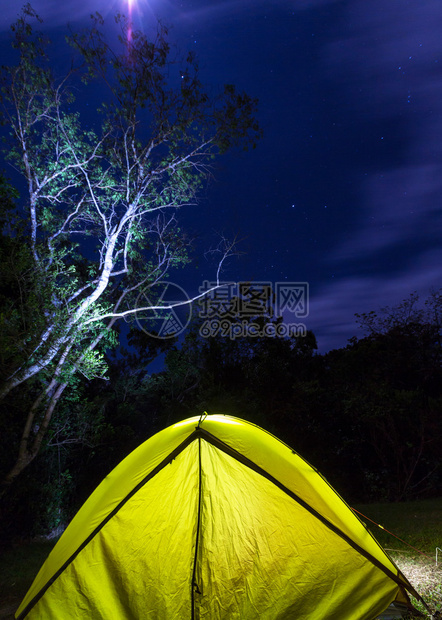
92	224
368	416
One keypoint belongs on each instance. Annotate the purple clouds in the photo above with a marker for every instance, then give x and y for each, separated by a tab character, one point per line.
389	64
345	190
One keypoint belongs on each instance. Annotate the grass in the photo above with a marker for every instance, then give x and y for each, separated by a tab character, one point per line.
18	567
417	523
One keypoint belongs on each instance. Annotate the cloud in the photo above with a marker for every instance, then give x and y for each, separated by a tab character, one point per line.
333	307
55	13
217	10
388	62
401	206
384	39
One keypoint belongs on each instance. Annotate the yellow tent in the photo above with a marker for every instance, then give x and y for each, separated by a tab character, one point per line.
214	518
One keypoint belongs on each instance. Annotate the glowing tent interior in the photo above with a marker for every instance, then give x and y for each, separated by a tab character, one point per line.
214	518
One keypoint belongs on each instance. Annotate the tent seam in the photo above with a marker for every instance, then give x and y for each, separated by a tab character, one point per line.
182	446
259	470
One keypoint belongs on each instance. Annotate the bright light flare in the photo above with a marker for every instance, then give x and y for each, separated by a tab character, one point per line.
130	5
134	10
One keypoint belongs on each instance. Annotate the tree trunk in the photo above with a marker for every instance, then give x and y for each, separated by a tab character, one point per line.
21	463
30	447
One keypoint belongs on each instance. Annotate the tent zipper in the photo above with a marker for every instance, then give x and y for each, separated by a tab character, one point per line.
195	588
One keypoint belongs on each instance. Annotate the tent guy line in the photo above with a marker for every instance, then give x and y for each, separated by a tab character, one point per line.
391	534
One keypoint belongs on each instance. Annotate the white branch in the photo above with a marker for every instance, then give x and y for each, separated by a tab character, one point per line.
120	315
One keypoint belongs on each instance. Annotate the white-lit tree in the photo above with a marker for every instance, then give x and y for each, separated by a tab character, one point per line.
99	222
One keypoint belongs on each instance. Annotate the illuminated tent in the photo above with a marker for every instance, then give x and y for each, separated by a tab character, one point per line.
214	518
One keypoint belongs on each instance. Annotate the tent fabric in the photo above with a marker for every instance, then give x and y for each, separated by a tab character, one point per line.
212	519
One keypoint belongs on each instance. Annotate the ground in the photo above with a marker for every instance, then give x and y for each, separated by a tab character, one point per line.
424	576
415	523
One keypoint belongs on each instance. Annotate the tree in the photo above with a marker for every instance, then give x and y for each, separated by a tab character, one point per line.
390	397
249	376
99	224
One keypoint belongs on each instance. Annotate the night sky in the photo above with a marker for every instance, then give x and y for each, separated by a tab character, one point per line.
344	190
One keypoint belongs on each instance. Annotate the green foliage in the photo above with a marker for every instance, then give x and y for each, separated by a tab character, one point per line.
53	517
113	181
